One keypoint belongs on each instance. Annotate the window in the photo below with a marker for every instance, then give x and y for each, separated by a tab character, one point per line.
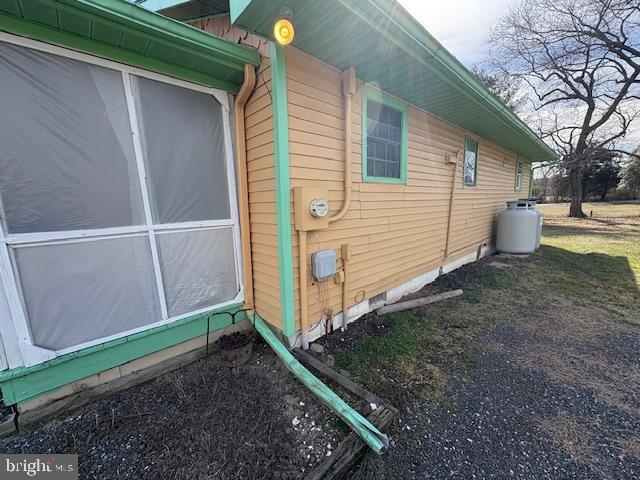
470	167
384	134
519	175
117	200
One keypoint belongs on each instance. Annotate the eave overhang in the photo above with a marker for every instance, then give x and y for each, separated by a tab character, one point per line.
388	47
126	33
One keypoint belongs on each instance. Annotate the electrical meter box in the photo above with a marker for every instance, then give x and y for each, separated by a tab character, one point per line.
323	265
311	208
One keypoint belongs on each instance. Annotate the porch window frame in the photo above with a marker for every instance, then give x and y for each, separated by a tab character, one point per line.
16	329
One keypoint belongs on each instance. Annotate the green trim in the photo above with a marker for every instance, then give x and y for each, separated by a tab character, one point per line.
126	33
374	438
475	175
371	93
283	185
23	383
391	49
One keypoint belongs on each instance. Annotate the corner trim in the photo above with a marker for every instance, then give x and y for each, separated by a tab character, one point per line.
283	185
23	383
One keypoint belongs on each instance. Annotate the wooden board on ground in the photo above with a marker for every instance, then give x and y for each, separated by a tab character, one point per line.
418	302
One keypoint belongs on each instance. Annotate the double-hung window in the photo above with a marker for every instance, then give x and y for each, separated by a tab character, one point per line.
384	138
518	183
117	200
470	165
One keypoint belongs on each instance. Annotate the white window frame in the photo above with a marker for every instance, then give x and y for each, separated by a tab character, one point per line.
519	174
14	331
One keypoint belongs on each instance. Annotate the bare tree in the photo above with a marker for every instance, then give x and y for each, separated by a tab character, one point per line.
580	62
504	86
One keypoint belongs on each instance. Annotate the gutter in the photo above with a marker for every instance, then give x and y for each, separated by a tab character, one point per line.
417	35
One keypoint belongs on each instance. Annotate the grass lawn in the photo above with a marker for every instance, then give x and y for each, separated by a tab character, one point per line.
585	267
537	360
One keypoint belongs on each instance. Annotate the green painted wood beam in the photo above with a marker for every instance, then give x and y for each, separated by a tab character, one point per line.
283	185
374	438
24	383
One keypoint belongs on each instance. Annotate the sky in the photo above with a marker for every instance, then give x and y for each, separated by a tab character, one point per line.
462	26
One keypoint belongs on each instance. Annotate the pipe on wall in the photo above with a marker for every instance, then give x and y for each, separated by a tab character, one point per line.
304	308
455	163
348	90
241	172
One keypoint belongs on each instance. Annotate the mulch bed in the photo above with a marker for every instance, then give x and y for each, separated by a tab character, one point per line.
202	421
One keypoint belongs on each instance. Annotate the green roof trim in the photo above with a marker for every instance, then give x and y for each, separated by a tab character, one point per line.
126	33
388	47
24	383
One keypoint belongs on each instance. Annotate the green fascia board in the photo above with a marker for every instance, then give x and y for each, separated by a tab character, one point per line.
379	96
152	33
283	185
85	45
23	383
391	49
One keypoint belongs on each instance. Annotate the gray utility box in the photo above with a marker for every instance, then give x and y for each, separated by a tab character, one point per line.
323	264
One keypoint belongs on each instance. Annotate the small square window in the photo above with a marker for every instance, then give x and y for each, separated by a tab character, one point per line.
384	152
470	169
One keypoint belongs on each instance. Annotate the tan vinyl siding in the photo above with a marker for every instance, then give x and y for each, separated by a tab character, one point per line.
396	231
262	199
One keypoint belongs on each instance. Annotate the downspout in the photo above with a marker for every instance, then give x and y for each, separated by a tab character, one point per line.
241	172
455	163
374	438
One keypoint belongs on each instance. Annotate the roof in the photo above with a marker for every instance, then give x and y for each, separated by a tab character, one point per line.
127	33
387	46
187	9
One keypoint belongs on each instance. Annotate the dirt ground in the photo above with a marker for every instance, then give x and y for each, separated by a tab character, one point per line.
204	421
533	373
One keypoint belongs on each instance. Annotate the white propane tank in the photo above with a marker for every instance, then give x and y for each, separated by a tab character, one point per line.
518	228
533	204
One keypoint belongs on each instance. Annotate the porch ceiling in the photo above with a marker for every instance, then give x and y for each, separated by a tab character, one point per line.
390	48
126	33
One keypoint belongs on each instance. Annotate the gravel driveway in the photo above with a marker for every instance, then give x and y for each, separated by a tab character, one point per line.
510	421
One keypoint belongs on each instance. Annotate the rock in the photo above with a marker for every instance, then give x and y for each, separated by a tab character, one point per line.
501	265
316	347
329	360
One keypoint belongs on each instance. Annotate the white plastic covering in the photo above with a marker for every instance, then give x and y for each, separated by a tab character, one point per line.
66	153
67	162
82	291
198	268
183	142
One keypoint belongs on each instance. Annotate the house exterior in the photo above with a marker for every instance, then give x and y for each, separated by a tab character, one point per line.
161	179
